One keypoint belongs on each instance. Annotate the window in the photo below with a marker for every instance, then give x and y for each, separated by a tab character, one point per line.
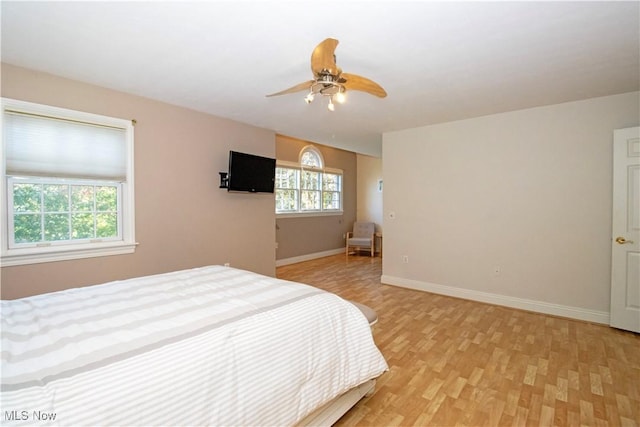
308	188
311	157
68	183
287	199
331	191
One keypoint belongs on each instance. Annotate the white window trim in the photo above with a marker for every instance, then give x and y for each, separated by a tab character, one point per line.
63	253
308	214
294	165
22	256
299	214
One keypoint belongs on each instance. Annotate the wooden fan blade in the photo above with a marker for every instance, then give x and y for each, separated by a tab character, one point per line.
356	82
296	88
323	58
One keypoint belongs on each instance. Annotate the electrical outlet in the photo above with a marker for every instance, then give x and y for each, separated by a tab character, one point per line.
226	264
405	259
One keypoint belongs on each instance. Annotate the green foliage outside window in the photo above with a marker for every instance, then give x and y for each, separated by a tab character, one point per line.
300	190
44	212
331	188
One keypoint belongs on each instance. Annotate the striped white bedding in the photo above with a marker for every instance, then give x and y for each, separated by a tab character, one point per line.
207	346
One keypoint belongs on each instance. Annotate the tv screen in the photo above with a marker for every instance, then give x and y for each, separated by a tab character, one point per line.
248	172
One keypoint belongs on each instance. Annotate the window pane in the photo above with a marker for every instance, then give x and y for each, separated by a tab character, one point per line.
27	228
82	226
81	198
330	200
26	198
330	182
106	199
56	198
310	180
106	225
309	158
310	200
286	178
286	200
56	227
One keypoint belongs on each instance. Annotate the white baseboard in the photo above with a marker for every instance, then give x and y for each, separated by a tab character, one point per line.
308	257
503	300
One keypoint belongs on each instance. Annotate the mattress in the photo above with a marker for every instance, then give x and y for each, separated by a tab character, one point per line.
206	346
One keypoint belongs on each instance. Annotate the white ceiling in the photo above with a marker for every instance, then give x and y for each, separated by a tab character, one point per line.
438	61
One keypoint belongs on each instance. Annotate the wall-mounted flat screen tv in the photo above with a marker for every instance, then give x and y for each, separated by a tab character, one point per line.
248	172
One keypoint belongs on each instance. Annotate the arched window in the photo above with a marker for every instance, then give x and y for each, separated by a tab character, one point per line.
310	156
308	187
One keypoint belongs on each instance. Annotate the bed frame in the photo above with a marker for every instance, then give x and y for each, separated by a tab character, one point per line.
328	414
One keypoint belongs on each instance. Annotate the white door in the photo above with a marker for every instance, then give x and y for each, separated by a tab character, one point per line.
625	251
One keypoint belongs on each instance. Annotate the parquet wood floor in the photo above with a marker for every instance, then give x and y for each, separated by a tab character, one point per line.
461	363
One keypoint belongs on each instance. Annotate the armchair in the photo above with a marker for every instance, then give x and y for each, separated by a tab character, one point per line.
362	236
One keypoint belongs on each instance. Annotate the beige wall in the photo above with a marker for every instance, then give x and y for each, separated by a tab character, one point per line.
303	236
183	219
369	196
528	192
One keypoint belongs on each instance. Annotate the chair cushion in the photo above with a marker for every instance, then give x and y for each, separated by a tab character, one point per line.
359	241
363	229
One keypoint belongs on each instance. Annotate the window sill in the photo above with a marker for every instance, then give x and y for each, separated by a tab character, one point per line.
29	256
308	214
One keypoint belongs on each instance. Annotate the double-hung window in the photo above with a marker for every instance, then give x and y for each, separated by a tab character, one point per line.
308	188
67	184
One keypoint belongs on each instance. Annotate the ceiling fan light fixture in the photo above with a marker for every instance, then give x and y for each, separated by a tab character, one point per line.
331	105
329	80
309	98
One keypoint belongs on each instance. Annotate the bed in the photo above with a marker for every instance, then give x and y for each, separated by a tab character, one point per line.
212	345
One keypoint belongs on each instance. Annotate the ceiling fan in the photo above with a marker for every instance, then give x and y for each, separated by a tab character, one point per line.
329	80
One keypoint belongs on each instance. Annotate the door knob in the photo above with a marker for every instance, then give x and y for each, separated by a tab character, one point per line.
622	240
